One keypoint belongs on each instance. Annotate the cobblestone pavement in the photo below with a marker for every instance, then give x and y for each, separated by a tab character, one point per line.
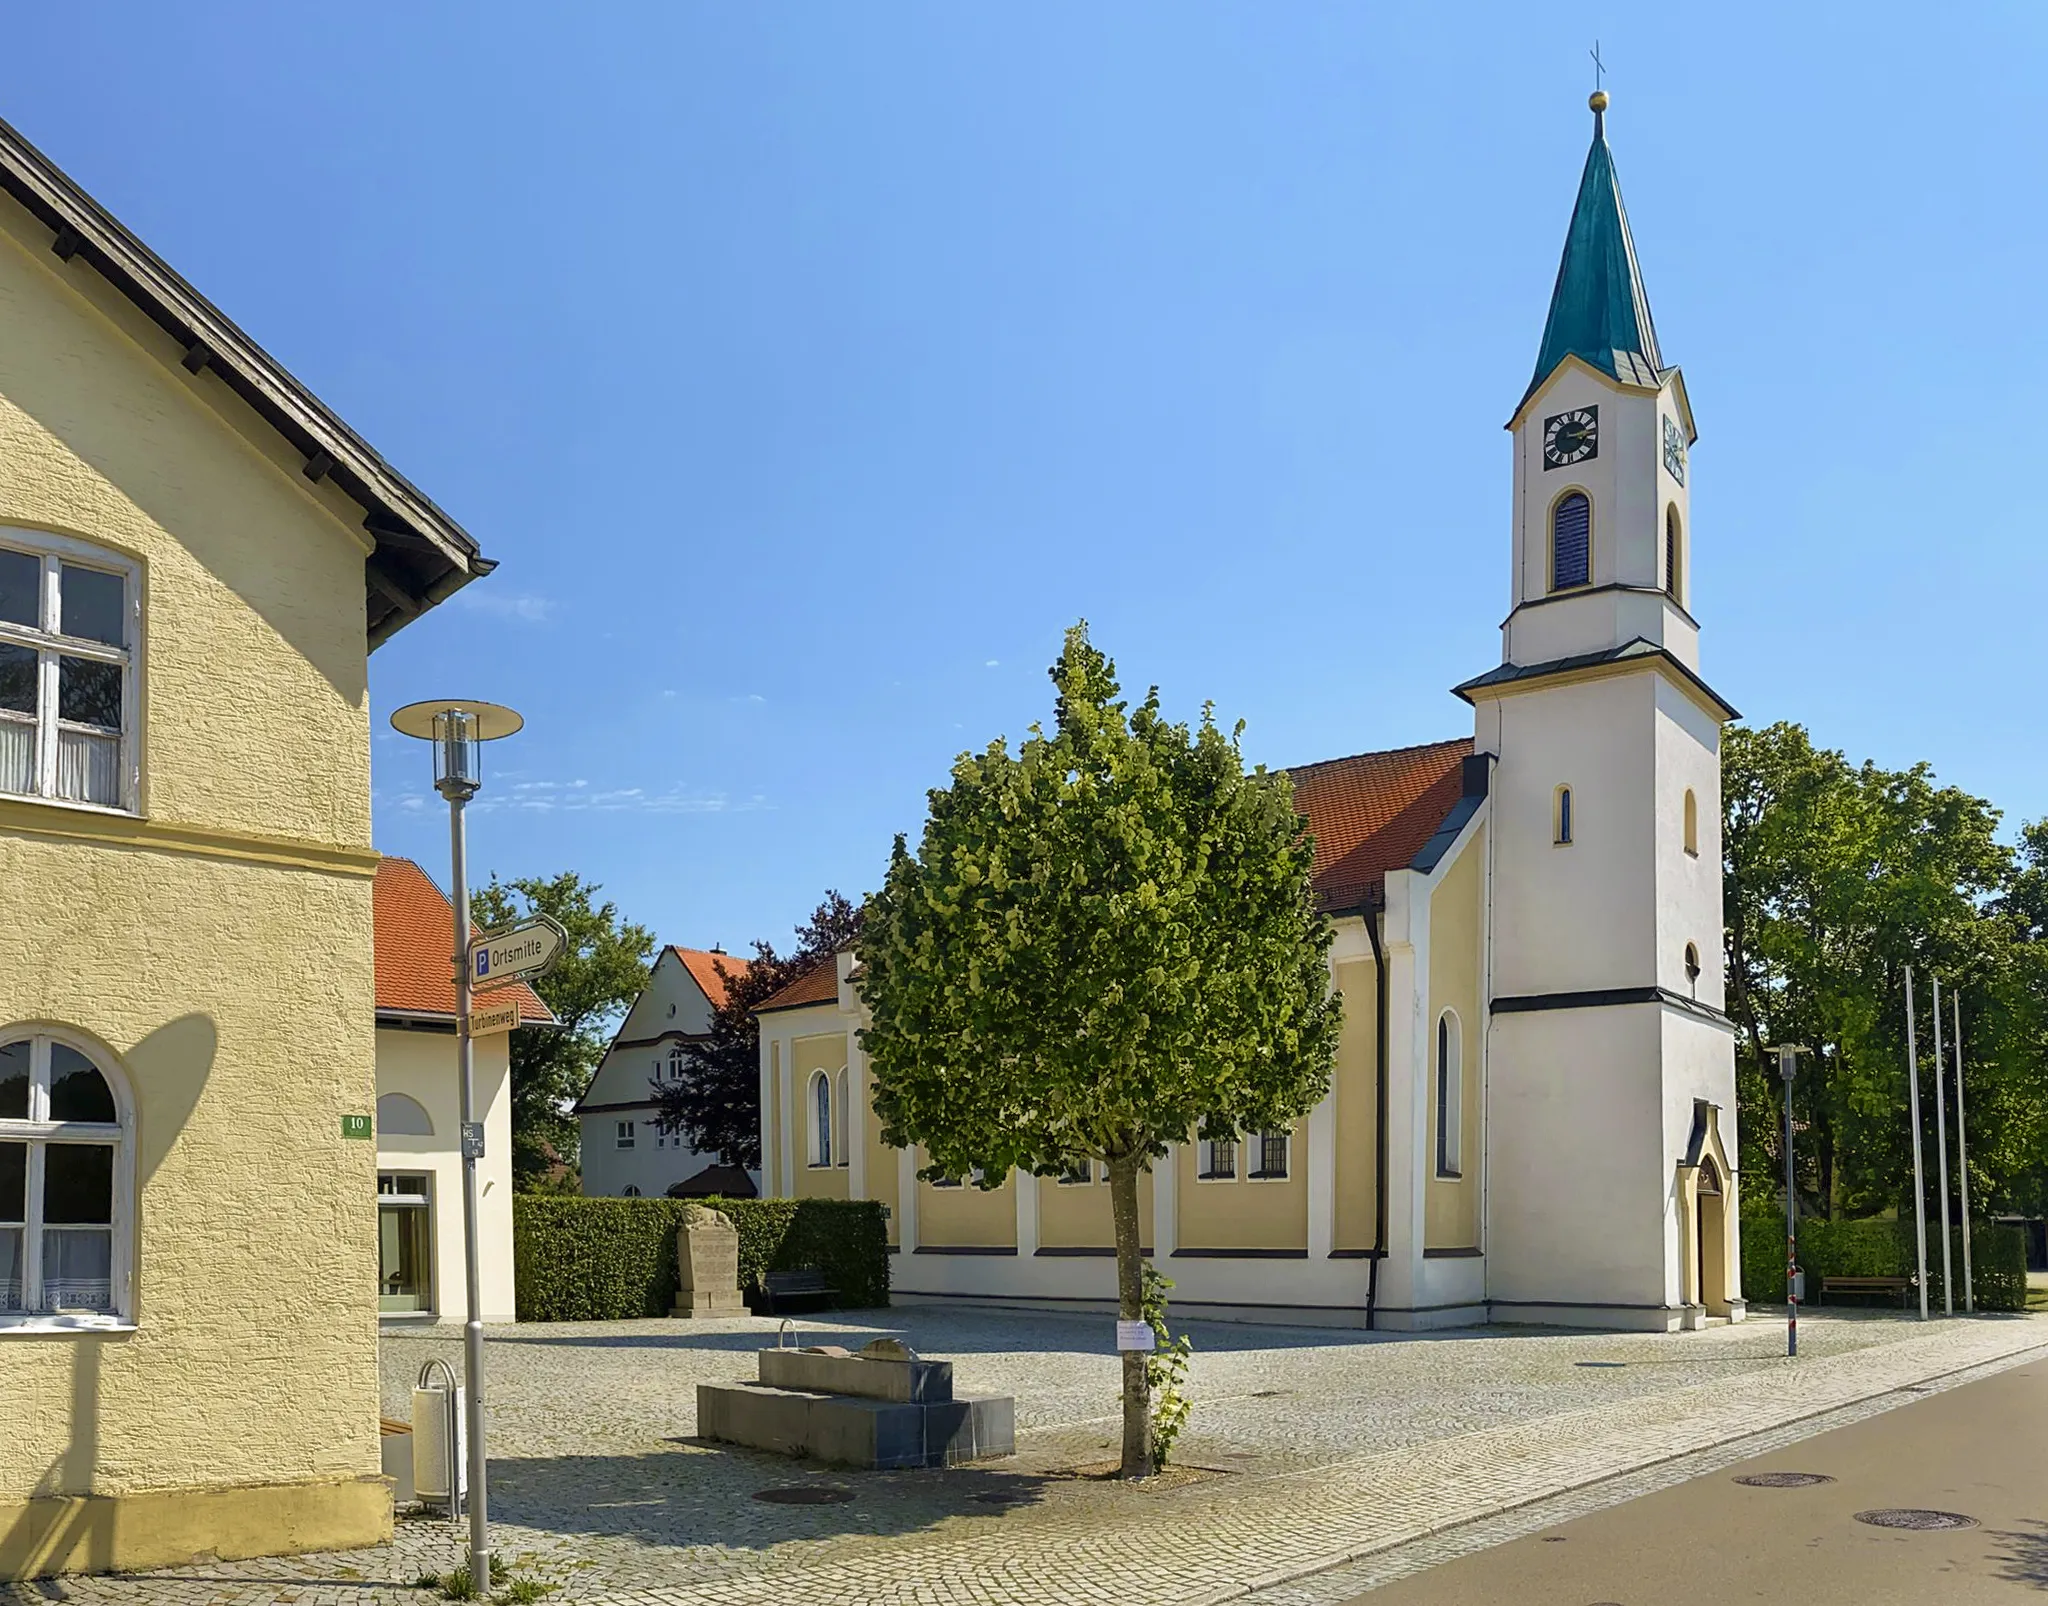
1318	1463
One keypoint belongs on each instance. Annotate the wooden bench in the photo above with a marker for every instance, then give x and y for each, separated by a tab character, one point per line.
1866	1285
779	1288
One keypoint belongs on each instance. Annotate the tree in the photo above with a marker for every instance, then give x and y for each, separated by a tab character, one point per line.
717	1103
590	988
1106	943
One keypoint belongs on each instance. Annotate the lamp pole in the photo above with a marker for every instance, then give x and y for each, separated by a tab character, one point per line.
1955	1002
1788	1067
457	731
1919	1176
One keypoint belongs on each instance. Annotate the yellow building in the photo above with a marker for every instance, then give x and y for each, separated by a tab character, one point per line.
196	558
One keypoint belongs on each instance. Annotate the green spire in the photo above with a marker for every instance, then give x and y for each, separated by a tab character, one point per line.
1599	310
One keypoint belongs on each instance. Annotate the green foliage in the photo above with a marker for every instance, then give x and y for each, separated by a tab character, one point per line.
1106	942
1883	1248
589	1260
1165	1369
1837	878
717	1103
590	988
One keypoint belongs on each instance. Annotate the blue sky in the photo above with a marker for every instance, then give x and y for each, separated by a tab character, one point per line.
809	367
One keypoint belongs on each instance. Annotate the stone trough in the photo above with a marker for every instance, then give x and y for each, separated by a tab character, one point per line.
879	1407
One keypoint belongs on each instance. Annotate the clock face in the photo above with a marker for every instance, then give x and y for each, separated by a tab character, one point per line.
1571	437
1674	449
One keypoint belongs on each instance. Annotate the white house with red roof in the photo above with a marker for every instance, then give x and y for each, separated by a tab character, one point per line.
1532	1115
419	1113
624	1155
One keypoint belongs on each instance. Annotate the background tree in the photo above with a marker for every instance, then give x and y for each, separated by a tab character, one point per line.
717	1104
1105	943
1837	878
590	989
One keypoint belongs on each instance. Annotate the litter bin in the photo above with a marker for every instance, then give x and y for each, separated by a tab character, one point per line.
439	1443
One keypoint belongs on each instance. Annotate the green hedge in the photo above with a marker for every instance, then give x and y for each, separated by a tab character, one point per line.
1883	1249
590	1260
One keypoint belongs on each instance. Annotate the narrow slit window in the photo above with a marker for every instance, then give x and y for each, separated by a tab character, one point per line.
1450	1084
1571	542
821	1104
1562	823
1692	824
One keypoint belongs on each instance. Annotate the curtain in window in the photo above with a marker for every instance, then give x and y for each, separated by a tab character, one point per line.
1571	542
10	1268
89	767
17	756
78	1268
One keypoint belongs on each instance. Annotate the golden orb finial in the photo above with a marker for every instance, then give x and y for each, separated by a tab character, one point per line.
1597	100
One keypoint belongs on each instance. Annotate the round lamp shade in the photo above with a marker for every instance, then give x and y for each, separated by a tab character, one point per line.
487	721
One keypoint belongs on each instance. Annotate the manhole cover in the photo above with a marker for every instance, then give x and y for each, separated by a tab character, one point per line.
805	1494
1908	1517
1784	1480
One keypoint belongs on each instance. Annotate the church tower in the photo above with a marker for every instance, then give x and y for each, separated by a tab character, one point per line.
1610	1066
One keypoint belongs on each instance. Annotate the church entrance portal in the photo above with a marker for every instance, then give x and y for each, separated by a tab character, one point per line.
1710	1238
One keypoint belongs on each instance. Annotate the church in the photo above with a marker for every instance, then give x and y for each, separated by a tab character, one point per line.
1532	1116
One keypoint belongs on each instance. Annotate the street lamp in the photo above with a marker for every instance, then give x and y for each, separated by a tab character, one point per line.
458	731
1788	1067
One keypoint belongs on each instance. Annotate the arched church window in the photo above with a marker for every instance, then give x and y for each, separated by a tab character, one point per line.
1674	555
1450	1087
1692	824
821	1104
1561	818
1571	541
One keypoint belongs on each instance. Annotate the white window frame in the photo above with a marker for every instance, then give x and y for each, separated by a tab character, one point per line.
622	1136
39	1132
1263	1174
819	1119
423	1201
54	551
1206	1169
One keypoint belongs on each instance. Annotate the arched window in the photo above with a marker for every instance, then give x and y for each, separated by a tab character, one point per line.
1674	556
66	1186
1692	966
1692	824
67	689
1571	541
1450	1096
1561	822
400	1116
846	1117
629	1191
821	1104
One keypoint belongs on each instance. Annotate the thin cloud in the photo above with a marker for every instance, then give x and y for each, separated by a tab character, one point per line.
523	606
992	663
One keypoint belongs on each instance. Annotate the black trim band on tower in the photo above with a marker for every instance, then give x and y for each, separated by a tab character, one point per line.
1610	997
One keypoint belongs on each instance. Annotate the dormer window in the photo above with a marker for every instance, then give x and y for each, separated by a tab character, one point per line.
68	623
1571	541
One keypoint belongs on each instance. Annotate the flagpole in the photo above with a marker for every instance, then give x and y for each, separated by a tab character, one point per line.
1955	1000
1919	1181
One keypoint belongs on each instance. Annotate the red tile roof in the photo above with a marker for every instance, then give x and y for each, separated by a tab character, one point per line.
415	935
712	971
818	985
1372	813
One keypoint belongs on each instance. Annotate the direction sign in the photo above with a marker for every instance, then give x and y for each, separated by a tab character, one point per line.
512	953
486	1020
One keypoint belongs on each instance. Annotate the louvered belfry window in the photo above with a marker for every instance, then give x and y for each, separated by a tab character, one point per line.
1672	556
1571	542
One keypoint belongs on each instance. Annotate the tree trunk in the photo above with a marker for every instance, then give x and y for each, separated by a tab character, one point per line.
1130	1281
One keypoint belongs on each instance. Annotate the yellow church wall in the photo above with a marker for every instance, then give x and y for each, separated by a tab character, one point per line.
217	943
1356	1109
1244	1213
967	1217
824	1052
1076	1215
1451	1207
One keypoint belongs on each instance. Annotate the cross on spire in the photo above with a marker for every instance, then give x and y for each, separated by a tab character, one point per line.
1599	66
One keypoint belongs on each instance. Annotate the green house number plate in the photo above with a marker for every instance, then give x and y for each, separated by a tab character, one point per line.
356	1126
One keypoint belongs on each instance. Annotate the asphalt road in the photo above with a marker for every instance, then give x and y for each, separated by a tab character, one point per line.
1980	1450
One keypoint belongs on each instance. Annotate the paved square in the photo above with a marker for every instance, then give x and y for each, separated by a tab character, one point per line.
1308	1450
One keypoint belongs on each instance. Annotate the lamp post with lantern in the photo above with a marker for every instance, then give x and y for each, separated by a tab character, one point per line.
458	731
